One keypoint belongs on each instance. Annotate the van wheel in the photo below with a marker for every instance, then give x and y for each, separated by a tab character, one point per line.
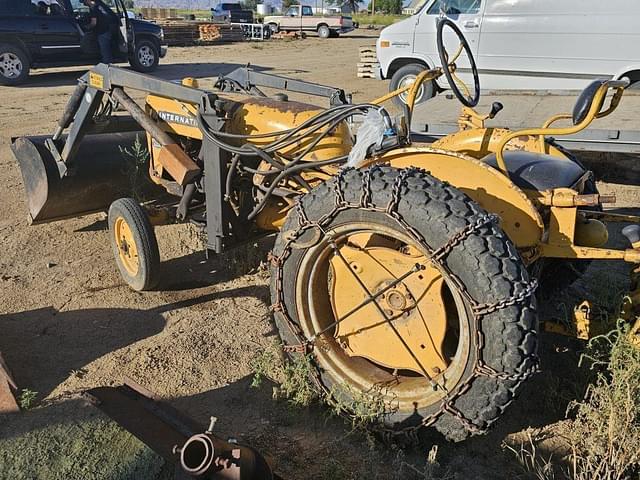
146	56
324	31
14	65
134	244
404	77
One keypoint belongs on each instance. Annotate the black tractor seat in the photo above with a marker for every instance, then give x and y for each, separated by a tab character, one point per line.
535	171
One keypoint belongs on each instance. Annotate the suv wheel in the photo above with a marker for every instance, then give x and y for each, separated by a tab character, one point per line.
14	65
145	57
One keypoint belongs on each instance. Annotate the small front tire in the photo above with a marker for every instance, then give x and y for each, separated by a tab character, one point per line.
134	244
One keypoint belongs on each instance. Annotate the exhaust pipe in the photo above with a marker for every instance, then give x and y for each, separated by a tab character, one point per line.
164	429
205	455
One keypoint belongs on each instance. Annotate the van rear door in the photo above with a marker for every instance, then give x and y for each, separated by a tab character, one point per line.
467	14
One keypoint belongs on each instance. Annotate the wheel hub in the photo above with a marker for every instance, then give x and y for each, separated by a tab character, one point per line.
397	323
127	250
407	82
398	299
10	65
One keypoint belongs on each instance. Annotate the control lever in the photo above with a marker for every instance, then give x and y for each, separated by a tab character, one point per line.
632	232
495	109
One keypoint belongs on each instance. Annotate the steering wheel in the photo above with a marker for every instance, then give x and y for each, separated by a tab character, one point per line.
460	89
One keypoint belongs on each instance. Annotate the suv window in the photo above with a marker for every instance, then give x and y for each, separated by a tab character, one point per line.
307	11
455	7
47	7
78	6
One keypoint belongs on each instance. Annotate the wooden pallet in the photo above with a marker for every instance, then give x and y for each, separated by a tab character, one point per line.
368	64
159	12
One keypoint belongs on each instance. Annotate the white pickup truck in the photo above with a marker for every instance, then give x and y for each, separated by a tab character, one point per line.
301	17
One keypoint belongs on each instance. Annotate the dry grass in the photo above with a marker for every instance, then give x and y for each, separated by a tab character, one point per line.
603	433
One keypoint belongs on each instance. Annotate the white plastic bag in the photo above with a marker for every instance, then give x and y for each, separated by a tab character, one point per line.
371	132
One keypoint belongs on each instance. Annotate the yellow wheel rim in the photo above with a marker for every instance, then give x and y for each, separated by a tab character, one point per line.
127	250
430	343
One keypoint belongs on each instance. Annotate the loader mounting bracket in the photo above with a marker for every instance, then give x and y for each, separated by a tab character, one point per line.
246	80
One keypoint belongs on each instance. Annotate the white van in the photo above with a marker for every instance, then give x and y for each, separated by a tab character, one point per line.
520	44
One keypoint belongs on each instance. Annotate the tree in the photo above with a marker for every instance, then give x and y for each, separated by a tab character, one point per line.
287	3
250	4
128	4
352	5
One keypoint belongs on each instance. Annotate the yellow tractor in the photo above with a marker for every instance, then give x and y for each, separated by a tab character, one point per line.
402	271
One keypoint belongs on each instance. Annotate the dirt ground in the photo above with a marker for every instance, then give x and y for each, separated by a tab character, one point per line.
68	323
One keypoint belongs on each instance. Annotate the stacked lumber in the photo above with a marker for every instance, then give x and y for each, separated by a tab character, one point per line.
188	33
148	12
209	32
368	65
178	33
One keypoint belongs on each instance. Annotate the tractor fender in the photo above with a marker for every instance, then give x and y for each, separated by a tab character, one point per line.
480	142
492	190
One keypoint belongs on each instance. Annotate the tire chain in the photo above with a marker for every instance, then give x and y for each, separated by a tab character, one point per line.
436	257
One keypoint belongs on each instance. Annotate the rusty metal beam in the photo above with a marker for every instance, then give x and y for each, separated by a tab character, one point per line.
178	438
8	388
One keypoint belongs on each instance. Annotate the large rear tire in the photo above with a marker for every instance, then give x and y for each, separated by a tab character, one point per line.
134	244
406	217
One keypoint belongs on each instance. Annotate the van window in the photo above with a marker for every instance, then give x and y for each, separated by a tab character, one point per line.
455	7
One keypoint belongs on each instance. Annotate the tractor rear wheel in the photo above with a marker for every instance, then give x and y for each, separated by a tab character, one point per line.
402	288
134	244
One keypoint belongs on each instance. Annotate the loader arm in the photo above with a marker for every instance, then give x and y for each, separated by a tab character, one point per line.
105	80
81	168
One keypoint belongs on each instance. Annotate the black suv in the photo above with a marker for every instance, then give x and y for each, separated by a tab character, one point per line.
51	33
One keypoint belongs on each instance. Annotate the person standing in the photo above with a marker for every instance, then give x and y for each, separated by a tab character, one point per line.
103	22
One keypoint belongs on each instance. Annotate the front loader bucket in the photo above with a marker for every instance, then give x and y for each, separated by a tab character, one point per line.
101	173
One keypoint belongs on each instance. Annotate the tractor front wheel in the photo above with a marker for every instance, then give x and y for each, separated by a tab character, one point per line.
134	244
403	291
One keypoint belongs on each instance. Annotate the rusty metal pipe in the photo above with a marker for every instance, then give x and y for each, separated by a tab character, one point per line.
174	159
141	117
205	455
197	455
70	109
